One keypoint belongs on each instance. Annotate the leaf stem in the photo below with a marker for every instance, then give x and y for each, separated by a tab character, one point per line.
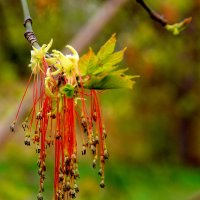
29	34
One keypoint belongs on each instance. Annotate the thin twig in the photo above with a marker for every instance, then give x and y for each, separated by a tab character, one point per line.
175	29
153	15
29	34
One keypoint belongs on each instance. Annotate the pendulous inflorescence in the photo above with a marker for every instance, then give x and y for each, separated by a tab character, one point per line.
64	86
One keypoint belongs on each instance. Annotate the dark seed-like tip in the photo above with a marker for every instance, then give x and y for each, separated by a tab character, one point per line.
83	150
67	187
97	139
94	116
72	194
12	128
58	137
73	157
102	184
61	177
39	196
76	188
100	172
106	155
104	133
94	163
93	148
53	116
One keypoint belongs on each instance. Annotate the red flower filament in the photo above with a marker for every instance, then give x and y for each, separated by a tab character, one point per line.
59	101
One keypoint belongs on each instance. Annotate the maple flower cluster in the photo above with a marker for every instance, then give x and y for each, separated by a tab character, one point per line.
62	86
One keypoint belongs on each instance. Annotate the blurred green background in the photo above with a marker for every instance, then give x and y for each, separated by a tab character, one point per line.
153	129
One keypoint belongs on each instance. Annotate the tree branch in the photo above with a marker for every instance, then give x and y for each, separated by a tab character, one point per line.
153	15
29	34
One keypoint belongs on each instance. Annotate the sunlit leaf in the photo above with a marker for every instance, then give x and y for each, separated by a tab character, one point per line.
88	63
107	48
100	71
113	80
114	58
109	63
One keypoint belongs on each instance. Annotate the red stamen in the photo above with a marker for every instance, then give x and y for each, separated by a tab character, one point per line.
17	115
99	120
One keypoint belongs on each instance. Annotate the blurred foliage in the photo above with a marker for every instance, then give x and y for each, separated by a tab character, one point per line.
153	130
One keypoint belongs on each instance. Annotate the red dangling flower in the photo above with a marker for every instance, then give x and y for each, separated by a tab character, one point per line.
59	101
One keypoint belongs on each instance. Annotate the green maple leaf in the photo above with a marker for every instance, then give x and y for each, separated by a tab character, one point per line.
100	71
114	80
107	49
88	63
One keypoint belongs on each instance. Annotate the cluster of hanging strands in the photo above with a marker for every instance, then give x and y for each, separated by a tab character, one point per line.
59	100
59	103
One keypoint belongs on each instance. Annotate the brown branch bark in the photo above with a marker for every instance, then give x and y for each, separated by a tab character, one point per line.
153	15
